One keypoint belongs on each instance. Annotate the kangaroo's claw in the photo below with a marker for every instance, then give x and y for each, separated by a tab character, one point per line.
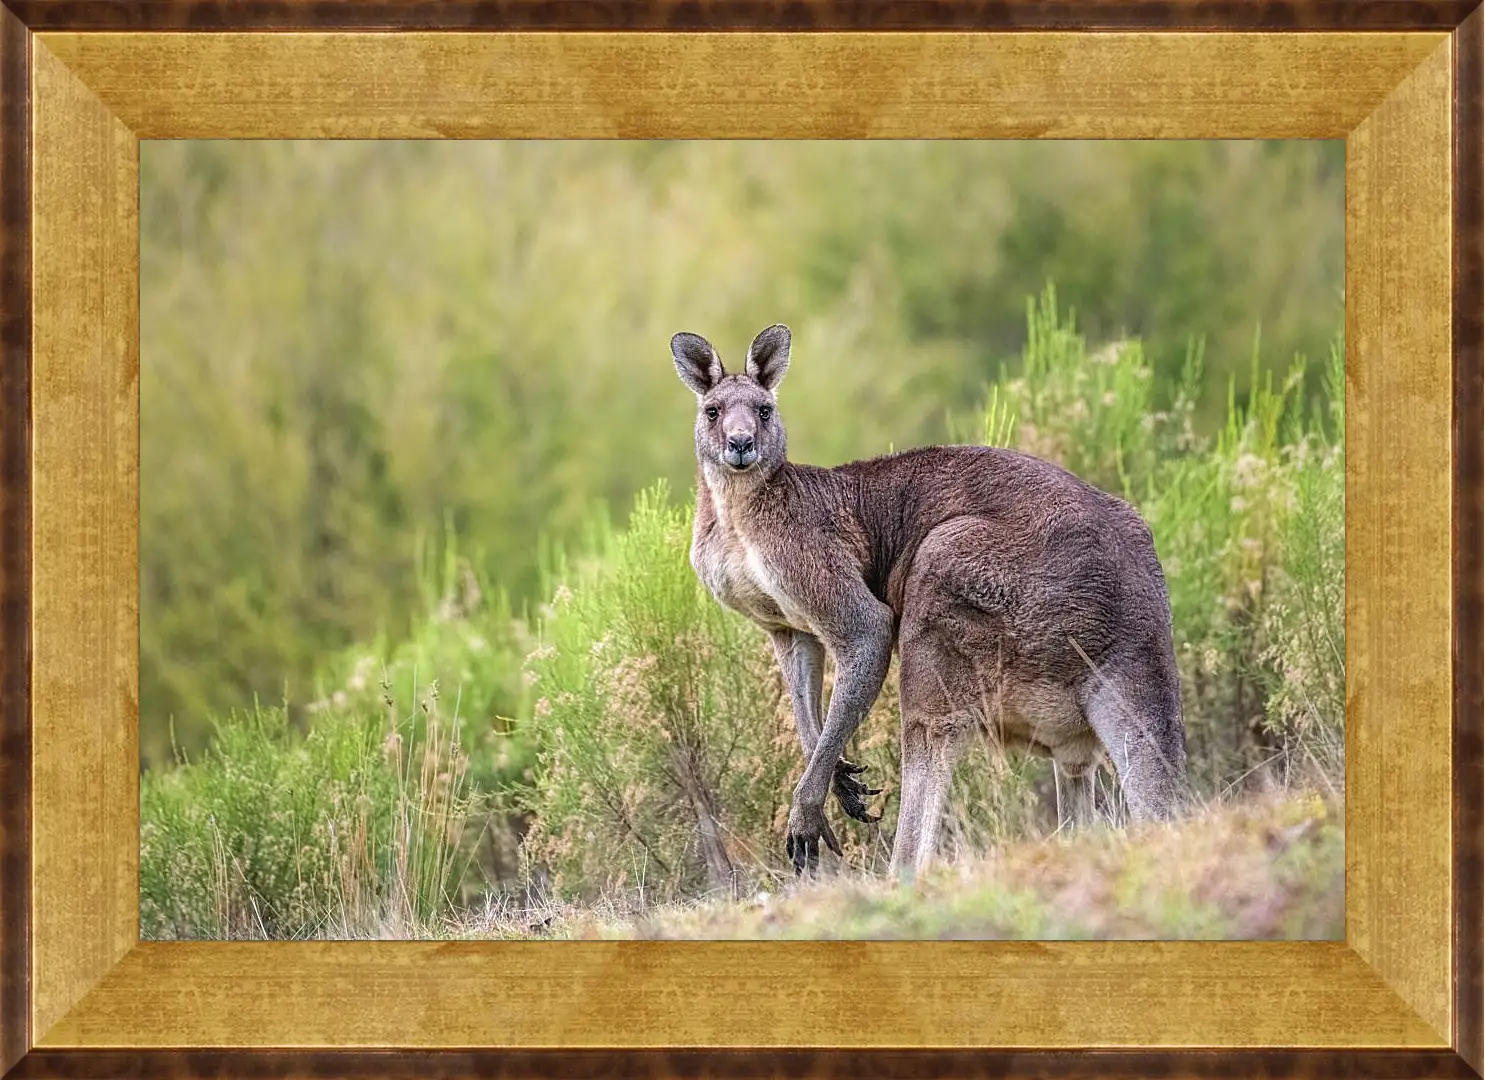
804	854
852	793
807	827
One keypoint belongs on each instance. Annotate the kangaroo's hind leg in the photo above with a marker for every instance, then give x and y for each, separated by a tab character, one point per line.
1134	705
1073	781
1075	758
915	766
949	690
942	752
935	725
928	756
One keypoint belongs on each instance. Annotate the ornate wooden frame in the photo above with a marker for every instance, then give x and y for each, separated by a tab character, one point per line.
84	80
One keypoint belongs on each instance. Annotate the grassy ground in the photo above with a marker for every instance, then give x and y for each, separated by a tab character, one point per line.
1273	869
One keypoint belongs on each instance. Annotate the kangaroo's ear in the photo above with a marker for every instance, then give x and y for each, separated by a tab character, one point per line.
696	362
768	356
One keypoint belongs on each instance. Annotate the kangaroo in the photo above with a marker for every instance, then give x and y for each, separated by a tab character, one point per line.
1022	602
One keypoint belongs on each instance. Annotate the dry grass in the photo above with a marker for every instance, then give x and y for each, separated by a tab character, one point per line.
1272	869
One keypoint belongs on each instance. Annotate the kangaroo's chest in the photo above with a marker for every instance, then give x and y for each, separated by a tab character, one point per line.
742	577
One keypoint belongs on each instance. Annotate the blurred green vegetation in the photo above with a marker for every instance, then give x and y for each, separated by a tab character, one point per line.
353	351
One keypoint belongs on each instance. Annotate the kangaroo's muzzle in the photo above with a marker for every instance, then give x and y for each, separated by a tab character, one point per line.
741	451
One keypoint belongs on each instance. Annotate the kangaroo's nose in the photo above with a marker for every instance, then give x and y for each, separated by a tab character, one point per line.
740	444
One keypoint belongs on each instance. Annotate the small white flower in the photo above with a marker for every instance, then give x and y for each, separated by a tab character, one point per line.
1248	470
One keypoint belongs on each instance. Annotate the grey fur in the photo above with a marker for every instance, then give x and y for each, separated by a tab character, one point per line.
1022	602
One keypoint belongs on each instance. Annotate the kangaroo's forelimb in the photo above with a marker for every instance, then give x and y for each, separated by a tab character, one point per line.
862	647
801	659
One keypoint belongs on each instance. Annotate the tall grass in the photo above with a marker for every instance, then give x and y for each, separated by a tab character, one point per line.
378	816
352	830
1302	627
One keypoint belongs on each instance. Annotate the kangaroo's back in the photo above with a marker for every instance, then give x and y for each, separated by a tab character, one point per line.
1054	547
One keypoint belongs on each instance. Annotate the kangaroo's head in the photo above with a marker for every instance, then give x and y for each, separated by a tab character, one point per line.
738	430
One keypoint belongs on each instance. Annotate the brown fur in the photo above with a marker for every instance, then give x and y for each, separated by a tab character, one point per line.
1022	602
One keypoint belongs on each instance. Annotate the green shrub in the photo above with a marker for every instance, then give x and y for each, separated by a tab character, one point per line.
389	810
472	644
1090	413
1303	625
665	740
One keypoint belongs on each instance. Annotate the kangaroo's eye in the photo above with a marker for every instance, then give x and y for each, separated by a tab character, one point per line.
764	412
712	412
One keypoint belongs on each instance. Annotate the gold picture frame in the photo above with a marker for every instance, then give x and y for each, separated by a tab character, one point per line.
85	81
